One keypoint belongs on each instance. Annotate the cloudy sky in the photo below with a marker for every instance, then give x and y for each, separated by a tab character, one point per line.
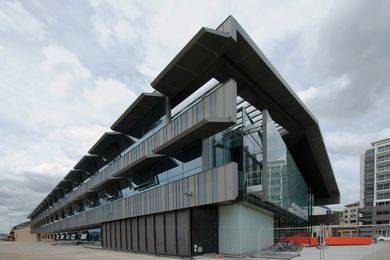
69	69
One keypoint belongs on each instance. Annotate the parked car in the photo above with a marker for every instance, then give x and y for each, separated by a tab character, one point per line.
383	238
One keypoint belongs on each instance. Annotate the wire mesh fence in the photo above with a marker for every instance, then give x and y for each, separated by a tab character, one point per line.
317	242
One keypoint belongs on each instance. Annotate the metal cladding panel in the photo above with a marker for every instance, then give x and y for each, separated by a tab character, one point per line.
190	62
199	125
123	235
145	110
104	235
128	235
112	235
170	233
111	144
134	235
142	234
160	233
150	235
118	235
219	184
183	232
260	83
174	136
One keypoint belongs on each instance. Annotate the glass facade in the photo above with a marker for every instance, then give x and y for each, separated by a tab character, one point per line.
270	175
286	187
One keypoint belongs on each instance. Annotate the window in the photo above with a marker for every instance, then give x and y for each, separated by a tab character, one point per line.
383	176
385	212
383	158
383	186
382	196
383	167
384	148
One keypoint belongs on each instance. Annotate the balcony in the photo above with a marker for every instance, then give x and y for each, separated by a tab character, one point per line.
197	122
216	185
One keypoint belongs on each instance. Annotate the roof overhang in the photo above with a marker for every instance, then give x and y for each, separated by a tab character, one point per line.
142	163
229	52
111	144
148	108
201	130
90	163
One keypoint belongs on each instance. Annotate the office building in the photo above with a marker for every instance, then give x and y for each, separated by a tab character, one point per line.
222	148
375	186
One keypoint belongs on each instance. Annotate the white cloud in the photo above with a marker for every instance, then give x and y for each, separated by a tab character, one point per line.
14	18
57	56
115	22
56	100
327	90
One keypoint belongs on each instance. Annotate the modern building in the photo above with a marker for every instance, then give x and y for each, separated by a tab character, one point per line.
222	148
351	215
375	186
22	232
323	215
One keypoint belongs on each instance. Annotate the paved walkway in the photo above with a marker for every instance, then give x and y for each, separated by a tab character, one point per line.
44	251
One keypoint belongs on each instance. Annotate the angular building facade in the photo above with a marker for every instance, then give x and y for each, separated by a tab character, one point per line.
375	186
222	148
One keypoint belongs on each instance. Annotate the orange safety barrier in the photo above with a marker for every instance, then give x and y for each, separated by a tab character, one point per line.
348	241
307	241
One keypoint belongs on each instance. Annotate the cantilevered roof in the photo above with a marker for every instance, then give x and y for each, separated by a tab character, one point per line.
148	108
142	163
228	52
77	175
111	144
188	70
203	129
90	163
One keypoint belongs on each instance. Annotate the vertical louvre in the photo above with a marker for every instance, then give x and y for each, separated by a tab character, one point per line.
123	235
134	234
150	235
141	234
170	232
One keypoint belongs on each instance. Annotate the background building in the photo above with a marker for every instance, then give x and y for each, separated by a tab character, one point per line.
22	232
323	215
351	214
375	185
221	149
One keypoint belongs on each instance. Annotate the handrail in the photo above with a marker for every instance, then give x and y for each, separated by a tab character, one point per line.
125	160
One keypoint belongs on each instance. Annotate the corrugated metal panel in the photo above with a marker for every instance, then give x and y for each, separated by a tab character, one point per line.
183	232
112	229
134	234
160	233
142	234
221	184
104	235
128	235
123	235
170	232
118	235
224	99
150	235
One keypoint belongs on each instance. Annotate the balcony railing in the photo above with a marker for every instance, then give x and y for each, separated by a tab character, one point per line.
217	108
211	186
